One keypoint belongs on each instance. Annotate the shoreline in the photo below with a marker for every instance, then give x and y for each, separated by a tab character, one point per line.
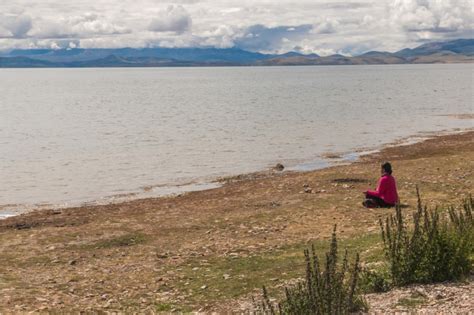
212	250
326	160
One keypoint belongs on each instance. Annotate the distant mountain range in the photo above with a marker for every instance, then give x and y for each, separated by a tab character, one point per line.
455	51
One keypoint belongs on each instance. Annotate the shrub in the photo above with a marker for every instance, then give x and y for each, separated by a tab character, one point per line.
436	249
329	290
375	281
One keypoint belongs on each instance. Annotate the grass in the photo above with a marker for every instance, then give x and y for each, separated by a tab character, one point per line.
164	307
330	286
221	278
129	239
414	300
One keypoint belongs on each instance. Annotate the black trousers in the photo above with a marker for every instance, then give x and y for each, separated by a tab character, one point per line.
376	202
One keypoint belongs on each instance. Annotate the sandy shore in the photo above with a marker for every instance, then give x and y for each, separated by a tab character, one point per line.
211	250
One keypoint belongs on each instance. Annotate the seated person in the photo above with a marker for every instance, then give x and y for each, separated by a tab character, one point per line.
385	196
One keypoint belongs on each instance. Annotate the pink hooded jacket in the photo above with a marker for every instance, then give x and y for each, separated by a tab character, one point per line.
386	189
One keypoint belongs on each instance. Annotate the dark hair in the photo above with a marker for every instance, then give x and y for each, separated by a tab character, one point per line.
387	167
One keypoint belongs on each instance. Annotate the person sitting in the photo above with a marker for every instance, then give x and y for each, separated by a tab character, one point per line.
385	196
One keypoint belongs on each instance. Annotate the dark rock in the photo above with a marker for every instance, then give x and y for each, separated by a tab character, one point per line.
279	167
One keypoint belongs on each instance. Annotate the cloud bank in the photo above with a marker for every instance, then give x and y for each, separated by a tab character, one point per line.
310	26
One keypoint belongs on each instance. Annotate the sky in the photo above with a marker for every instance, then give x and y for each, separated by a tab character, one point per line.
270	26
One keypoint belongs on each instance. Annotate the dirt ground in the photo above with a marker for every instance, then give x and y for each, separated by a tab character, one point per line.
210	250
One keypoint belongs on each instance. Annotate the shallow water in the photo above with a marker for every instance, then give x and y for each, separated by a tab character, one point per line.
69	136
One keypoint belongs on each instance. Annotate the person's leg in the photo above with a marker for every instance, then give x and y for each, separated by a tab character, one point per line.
369	202
375	202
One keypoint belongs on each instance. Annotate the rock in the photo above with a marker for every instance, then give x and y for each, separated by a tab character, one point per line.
308	190
204	287
226	276
279	167
73	262
305	185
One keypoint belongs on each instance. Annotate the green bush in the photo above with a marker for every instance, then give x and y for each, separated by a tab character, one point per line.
329	290
437	248
375	281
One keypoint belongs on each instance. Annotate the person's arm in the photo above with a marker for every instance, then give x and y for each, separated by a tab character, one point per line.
377	192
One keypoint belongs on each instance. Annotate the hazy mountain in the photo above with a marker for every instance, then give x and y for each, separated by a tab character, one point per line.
24	62
456	51
459	46
232	55
460	50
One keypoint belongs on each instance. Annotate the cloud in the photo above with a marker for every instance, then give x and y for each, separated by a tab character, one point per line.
345	5
327	26
262	38
174	19
433	16
14	25
221	36
321	26
85	25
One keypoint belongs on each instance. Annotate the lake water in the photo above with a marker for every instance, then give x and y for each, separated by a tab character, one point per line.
69	136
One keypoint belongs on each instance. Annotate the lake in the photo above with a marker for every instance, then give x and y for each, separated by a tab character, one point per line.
70	136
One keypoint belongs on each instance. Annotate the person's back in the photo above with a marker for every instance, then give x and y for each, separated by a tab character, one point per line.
386	194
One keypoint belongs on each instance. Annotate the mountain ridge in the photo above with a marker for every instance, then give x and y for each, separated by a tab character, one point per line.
455	51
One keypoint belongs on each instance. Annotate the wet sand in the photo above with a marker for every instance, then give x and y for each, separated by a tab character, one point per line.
173	253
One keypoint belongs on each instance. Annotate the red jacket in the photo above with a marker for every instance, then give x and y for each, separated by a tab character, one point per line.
386	189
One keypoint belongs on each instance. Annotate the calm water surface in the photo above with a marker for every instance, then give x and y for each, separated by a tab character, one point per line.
69	136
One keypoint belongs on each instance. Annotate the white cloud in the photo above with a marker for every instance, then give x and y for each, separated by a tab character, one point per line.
81	26
174	19
14	25
433	16
324	26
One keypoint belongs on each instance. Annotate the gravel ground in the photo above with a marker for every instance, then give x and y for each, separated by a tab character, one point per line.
445	298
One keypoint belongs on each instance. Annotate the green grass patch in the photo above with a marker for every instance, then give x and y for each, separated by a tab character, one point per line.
416	299
163	307
222	278
129	239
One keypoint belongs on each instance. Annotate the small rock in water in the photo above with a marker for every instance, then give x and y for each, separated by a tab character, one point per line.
279	167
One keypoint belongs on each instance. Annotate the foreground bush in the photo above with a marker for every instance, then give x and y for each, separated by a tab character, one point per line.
437	248
329	290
